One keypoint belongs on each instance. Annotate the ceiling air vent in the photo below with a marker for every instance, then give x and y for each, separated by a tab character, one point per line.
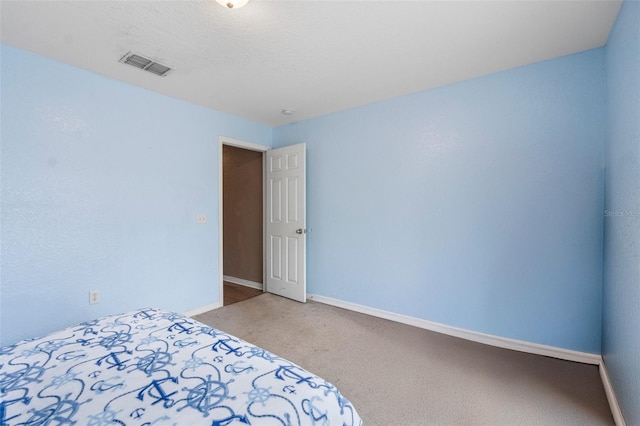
145	64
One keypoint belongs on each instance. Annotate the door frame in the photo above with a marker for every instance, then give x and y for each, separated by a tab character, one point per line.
224	140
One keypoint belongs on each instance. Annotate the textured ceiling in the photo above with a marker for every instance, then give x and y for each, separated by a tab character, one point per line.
314	57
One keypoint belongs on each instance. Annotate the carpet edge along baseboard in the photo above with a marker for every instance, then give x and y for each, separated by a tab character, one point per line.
474	336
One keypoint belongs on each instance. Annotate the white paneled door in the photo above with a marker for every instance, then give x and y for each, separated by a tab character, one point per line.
285	238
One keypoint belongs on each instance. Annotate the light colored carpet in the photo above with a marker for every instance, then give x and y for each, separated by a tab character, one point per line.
396	374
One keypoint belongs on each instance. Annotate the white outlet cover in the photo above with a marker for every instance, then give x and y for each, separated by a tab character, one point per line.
201	218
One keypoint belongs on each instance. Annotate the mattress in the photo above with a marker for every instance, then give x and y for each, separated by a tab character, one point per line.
153	367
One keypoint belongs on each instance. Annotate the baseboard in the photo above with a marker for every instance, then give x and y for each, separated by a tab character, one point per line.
202	309
487	339
243	282
611	396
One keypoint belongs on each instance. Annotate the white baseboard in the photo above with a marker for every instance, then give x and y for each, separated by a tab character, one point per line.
202	309
611	396
243	282
487	339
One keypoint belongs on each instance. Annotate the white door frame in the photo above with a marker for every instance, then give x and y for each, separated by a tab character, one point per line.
224	140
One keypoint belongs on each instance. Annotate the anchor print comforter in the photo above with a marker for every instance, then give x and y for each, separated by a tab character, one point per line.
152	367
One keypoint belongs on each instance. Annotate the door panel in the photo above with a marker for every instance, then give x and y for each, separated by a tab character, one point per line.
275	201
276	262
292	261
292	202
286	222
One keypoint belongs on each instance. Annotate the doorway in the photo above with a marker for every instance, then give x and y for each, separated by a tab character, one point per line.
242	220
283	261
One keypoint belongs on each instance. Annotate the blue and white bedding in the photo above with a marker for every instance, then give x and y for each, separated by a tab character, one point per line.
152	367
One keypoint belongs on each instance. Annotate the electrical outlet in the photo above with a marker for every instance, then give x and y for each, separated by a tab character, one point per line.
94	297
201	218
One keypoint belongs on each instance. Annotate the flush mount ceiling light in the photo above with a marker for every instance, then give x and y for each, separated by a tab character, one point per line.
233	4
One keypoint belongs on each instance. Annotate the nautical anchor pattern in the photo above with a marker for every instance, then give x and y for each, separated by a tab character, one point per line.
153	367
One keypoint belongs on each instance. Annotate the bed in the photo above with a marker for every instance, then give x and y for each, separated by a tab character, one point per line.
153	367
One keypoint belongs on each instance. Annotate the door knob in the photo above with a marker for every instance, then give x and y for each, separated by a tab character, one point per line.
300	231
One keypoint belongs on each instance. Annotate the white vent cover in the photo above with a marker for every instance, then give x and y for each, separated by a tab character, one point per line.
145	64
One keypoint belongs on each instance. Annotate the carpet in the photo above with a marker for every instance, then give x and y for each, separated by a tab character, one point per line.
395	374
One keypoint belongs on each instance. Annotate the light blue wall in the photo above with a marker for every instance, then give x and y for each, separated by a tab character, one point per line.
101	183
621	297
477	205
